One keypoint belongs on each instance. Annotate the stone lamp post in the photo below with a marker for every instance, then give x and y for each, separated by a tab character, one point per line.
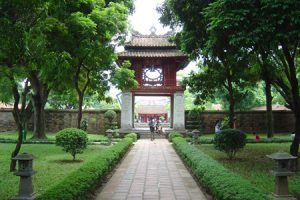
196	134
25	172
281	172
109	133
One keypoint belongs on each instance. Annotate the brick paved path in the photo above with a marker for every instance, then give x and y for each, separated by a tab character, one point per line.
151	170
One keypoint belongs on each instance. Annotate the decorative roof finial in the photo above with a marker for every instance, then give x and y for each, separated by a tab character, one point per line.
153	30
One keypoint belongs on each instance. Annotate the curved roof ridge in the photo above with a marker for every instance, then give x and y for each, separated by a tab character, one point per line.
135	33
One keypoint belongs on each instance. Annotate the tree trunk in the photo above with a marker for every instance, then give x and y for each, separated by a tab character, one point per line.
20	118
296	99
13	163
38	99
39	118
17	119
81	92
79	117
269	109
231	105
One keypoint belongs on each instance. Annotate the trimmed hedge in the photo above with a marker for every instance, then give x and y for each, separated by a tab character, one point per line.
248	140
173	135
221	183
79	184
132	135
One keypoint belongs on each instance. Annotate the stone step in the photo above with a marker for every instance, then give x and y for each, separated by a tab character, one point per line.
148	135
145	125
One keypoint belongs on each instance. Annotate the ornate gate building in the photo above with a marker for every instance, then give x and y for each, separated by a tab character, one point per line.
155	61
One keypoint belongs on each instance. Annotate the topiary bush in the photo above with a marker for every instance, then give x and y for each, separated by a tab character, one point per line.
72	140
193	114
173	135
230	141
84	124
131	135
110	116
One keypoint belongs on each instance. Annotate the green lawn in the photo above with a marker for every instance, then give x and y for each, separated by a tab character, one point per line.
253	164
50	136
52	165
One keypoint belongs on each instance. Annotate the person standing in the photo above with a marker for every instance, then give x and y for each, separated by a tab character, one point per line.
217	127
151	126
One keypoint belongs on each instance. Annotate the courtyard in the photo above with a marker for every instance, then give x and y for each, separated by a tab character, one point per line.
162	99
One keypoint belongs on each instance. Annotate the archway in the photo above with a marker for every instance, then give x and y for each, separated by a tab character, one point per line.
155	61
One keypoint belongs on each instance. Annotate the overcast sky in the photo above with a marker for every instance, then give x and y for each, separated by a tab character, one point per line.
146	16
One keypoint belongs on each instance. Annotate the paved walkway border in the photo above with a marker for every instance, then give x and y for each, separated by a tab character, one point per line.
151	170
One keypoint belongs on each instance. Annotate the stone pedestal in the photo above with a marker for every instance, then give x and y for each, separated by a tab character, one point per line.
281	186
127	112
178	112
25	190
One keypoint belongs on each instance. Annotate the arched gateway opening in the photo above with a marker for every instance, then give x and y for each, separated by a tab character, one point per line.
155	61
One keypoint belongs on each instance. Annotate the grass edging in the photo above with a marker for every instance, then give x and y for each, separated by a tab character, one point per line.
13	141
220	182
80	183
248	140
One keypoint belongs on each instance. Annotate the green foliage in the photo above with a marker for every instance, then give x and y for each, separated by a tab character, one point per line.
82	182
72	140
84	124
192	125
123	78
87	32
51	162
173	135
132	135
110	115
230	141
254	166
221	183
193	114
63	100
224	123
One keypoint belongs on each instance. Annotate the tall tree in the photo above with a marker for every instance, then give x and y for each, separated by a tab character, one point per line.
24	46
272	29
87	31
14	90
224	59
16	20
253	47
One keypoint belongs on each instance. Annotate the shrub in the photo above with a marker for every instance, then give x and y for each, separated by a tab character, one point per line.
72	140
193	114
84	125
110	116
230	141
81	183
173	135
131	135
225	123
220	182
192	125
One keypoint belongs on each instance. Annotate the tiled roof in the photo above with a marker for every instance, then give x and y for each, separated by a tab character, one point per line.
150	46
152	40
152	53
